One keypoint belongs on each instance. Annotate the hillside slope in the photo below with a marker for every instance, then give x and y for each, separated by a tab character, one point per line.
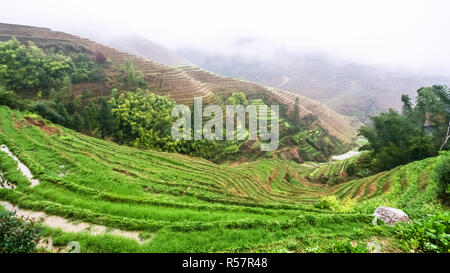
349	88
188	204
183	83
142	47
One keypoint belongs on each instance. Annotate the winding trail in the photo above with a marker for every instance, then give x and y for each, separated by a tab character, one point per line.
59	222
68	226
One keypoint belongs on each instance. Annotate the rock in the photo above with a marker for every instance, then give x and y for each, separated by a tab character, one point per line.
389	215
73	247
374	247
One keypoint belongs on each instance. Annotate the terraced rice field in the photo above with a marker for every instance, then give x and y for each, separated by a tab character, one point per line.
183	83
326	171
184	204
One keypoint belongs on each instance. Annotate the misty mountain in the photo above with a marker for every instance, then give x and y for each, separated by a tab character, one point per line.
140	46
349	88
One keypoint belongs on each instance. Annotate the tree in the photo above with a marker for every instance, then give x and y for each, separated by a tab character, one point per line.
296	112
105	118
77	122
407	106
238	98
28	67
132	79
418	132
11	99
90	117
143	120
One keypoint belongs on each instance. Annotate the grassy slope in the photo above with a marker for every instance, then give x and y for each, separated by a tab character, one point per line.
189	203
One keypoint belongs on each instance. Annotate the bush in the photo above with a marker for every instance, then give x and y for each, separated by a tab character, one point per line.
29	67
48	113
13	100
443	173
17	235
332	203
347	247
429	235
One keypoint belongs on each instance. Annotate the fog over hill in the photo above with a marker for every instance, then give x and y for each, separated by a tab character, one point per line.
346	54
355	89
142	47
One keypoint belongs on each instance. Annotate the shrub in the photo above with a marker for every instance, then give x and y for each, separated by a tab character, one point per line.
13	100
332	203
347	247
17	235
100	58
48	113
443	173
429	235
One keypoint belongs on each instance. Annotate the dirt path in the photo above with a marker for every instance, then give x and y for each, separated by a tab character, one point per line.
67	226
56	221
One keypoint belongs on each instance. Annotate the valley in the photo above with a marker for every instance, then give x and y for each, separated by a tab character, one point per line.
190	204
88	157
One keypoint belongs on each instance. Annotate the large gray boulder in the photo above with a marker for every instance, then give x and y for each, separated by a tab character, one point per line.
389	215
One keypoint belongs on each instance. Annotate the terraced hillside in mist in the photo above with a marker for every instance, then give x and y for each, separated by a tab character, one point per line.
177	203
353	89
183	83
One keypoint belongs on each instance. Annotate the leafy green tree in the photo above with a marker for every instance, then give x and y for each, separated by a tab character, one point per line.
418	132
238	98
132	79
433	111
105	118
13	100
77	122
144	120
28	67
90	117
407	106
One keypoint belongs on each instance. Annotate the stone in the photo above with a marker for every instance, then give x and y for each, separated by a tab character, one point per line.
374	247
389	215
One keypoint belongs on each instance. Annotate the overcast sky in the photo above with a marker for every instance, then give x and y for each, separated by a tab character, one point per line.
409	34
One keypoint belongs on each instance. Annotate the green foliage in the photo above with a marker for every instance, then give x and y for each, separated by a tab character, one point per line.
330	202
238	98
191	204
346	246
143	120
106	119
314	144
90	117
395	139
28	67
17	234
77	122
443	176
87	69
427	235
47	112
132	79
13	100
360	167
